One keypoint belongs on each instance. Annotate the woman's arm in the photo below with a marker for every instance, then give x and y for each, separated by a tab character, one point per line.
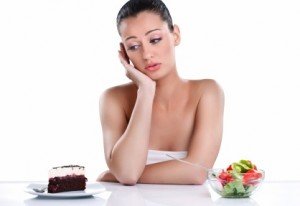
125	145
172	172
169	172
207	135
126	151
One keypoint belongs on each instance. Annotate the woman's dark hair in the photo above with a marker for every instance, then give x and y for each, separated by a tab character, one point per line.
133	7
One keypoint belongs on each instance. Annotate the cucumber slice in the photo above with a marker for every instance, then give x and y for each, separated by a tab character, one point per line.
244	167
248	163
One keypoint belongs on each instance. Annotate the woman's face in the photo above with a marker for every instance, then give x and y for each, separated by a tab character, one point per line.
149	43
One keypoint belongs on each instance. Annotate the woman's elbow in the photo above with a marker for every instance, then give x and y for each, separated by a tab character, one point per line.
199	180
128	180
128	177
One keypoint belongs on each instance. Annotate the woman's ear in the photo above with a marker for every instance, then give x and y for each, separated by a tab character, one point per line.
176	34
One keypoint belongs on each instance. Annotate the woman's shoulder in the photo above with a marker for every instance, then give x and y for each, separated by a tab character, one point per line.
120	93
121	89
206	86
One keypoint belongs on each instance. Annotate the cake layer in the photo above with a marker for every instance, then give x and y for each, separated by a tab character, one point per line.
67	183
66	170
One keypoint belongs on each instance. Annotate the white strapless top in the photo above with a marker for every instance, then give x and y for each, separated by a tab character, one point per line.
155	156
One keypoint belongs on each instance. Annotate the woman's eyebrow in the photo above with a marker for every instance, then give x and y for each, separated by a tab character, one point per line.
148	32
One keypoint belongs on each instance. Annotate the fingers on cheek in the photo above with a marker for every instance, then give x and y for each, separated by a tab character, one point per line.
122	62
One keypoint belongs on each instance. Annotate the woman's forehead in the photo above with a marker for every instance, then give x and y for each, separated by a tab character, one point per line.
140	24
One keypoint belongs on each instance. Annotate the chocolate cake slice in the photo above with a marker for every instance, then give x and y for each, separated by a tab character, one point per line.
67	178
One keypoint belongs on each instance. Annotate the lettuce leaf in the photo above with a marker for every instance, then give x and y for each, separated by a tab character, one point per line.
234	188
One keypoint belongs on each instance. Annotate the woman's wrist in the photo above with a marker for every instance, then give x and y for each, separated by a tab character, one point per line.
148	89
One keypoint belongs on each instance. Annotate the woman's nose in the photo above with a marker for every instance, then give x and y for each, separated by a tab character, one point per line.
147	52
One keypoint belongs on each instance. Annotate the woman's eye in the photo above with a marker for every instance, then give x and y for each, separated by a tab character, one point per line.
134	47
154	41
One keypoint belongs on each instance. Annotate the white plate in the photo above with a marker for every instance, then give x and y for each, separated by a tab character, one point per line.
91	189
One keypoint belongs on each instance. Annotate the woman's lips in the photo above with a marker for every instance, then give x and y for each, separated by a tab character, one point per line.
153	67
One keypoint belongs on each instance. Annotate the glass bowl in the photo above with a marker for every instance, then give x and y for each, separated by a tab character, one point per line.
231	184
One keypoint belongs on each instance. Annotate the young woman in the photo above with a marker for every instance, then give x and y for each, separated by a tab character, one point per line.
158	112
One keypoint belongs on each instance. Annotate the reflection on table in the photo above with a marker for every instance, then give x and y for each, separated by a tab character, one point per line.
270	193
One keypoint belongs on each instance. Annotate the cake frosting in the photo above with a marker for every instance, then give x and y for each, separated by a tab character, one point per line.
66	170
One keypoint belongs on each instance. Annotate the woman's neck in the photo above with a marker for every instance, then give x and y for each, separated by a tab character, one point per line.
167	88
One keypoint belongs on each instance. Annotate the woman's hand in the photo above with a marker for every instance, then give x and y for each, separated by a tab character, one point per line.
140	79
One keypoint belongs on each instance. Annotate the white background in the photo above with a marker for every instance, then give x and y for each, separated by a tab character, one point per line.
58	56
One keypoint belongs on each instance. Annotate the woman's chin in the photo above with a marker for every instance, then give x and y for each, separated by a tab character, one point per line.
157	76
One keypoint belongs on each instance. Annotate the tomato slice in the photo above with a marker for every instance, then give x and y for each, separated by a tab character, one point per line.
225	177
251	176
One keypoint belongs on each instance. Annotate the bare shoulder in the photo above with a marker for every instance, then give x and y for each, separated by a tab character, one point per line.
119	92
119	98
207	87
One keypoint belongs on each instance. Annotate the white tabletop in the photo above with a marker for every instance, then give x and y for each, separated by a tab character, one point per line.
270	193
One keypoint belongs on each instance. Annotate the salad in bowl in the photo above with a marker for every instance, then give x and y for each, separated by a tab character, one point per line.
239	180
